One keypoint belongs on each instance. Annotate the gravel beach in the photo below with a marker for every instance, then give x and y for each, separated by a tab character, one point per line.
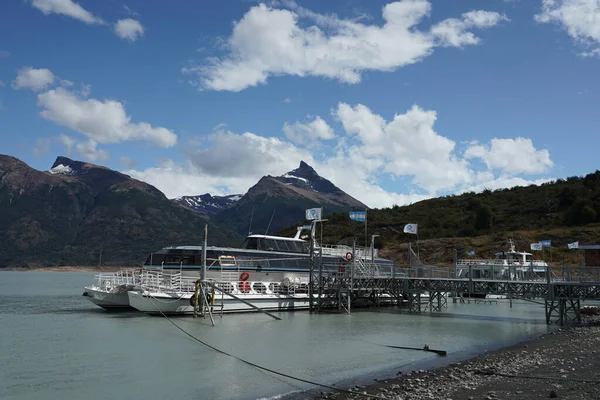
563	364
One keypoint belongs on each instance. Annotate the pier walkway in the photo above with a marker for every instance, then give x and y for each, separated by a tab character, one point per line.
562	289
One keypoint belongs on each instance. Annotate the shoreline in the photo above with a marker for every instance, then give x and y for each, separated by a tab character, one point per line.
552	365
69	269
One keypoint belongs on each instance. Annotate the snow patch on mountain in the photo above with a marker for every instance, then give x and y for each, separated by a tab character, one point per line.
289	176
61	169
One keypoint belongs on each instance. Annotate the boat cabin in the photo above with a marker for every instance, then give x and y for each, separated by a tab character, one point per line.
275	243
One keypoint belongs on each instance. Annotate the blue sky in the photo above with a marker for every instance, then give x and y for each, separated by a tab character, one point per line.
392	101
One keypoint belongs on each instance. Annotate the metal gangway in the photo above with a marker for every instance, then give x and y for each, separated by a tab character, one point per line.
562	289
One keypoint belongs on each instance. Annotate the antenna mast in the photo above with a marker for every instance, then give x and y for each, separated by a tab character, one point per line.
251	216
270	222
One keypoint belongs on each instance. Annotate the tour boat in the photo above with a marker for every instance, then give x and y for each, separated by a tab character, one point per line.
267	260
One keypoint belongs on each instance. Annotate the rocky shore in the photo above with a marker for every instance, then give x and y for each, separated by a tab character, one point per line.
563	364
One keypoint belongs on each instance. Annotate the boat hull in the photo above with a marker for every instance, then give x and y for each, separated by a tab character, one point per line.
179	303
114	300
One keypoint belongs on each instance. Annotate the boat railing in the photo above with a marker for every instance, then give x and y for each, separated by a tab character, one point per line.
496	261
121	277
340	250
159	280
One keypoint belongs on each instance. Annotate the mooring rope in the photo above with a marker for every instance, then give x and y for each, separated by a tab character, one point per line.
371	396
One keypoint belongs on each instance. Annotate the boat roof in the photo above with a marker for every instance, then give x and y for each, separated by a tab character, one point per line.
514	252
276	238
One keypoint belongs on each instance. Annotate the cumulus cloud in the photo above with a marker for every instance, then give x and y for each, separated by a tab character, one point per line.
309	132
33	78
407	146
68	8
580	18
103	121
90	152
226	154
271	41
453	32
129	29
66	141
512	156
369	150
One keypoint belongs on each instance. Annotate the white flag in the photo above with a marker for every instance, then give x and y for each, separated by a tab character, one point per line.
574	245
314	213
410	228
535	246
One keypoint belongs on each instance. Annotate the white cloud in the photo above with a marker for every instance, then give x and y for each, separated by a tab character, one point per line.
404	149
34	79
269	41
407	145
128	162
512	156
308	133
129	29
66	141
580	18
90	152
502	182
2	84
226	154
103	121
287	100
68	8
42	146
453	32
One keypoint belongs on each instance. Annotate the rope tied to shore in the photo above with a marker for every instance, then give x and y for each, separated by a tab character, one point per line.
369	396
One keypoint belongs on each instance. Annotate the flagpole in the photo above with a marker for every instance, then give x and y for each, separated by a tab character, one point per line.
418	254
365	234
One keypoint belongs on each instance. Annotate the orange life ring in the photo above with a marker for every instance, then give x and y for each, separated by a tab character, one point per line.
244	286
244	276
348	256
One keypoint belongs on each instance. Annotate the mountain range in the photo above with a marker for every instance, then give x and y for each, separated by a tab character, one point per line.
78	213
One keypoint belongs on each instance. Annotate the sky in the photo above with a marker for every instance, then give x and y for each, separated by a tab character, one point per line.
393	101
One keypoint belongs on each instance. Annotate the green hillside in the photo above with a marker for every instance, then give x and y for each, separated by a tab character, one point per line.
565	210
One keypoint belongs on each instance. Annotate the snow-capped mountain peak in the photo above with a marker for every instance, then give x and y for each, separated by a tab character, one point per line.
206	204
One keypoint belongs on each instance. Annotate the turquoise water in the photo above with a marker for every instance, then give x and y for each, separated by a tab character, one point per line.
56	345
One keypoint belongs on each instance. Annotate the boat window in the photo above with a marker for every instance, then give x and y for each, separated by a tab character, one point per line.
293	246
283	245
173	259
528	257
251	243
271	244
261	244
188	260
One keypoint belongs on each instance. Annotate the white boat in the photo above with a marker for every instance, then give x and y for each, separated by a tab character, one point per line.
109	290
507	265
291	294
268	260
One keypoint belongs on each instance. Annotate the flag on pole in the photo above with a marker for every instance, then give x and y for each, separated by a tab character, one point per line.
545	243
471	253
574	245
536	246
359	216
411	228
314	214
